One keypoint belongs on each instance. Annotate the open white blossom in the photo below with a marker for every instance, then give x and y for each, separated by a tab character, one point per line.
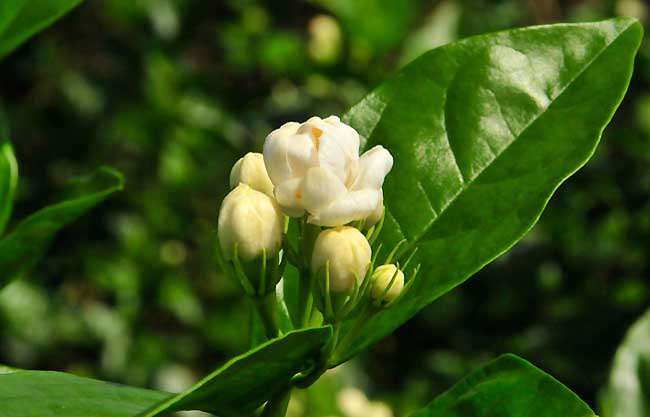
315	168
252	221
250	170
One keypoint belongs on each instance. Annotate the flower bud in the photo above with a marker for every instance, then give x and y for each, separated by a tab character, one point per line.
381	279
348	253
252	221
250	170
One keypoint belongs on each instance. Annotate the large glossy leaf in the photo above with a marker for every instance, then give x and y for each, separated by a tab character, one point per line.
246	382
55	394
507	387
483	131
21	19
8	174
628	391
27	242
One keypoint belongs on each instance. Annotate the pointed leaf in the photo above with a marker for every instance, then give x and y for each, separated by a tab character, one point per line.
56	394
483	131
24	246
21	19
507	387
246	382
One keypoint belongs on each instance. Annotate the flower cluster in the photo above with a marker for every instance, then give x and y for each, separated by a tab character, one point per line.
310	199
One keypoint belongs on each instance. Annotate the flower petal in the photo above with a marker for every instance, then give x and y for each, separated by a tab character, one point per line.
288	154
374	165
320	188
288	195
354	205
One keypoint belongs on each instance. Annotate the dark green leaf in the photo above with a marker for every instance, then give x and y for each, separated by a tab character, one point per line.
21	248
55	394
21	19
507	387
8	174
483	131
628	391
246	382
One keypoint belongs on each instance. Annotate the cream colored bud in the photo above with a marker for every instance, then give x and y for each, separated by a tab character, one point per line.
348	253
250	170
381	279
251	220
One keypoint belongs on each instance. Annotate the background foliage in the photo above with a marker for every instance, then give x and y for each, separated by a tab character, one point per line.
172	92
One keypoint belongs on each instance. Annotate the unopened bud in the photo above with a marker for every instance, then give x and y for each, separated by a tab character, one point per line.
387	284
250	170
348	253
251	221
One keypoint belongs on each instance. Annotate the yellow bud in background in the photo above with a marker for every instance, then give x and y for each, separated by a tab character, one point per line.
348	253
250	170
381	279
251	220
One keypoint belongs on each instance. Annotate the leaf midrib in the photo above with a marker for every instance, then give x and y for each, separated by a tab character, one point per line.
467	184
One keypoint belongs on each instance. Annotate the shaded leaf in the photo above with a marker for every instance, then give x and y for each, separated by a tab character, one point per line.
8	174
628	391
21	19
507	387
27	242
56	394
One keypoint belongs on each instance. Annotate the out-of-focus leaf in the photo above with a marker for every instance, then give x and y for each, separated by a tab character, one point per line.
21	19
628	391
483	131
247	381
56	394
507	387
8	174
27	242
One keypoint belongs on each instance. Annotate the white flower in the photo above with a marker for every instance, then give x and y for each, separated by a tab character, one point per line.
316	168
252	221
250	170
348	253
381	279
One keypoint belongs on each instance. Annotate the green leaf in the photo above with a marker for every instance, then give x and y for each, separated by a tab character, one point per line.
8	174
507	387
55	394
628	391
247	381
23	247
483	131
22	19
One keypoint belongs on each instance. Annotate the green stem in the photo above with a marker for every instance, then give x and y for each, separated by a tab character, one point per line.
352	334
277	406
306	380
266	306
305	298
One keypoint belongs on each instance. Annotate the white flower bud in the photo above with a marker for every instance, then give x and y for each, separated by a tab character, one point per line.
348	253
381	279
250	170
253	221
316	168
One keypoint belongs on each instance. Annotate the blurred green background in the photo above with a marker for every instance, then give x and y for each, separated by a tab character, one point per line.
173	92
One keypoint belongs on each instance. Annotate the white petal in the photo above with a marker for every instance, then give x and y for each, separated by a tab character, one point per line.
288	195
320	188
374	165
287	154
354	205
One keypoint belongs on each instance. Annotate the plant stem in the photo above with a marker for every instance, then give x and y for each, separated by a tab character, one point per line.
305	297
277	406
352	333
305	380
266	308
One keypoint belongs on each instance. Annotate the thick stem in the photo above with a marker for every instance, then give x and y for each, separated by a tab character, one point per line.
277	406
266	306
306	300
352	333
306	380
